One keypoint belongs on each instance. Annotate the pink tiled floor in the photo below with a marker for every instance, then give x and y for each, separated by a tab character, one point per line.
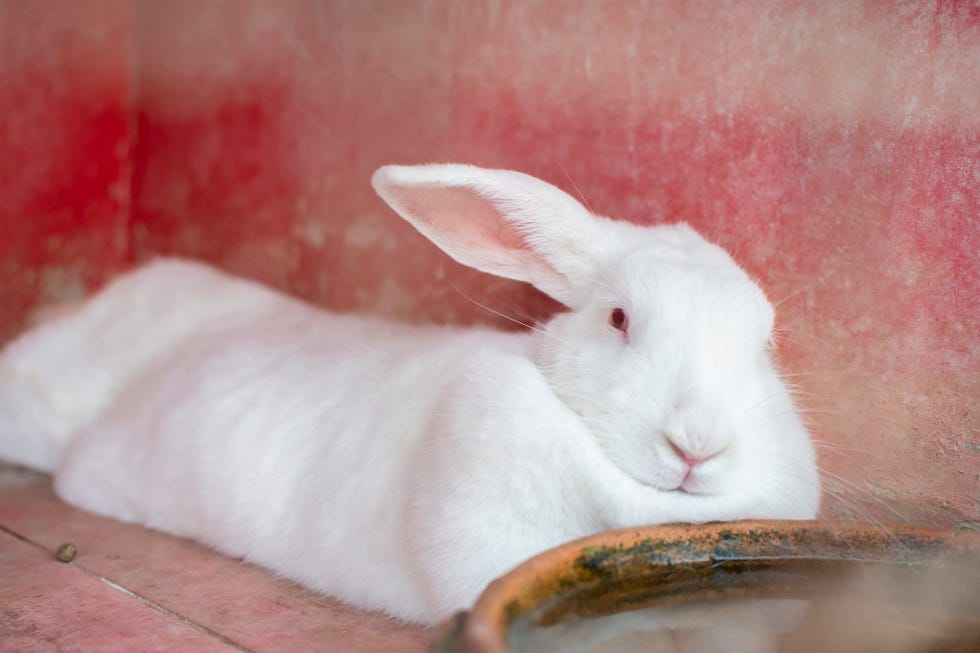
133	589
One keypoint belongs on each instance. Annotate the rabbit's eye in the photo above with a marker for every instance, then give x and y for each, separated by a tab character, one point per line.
618	320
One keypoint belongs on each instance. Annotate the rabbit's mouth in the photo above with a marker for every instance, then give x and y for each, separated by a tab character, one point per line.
691	482
672	476
662	480
697	483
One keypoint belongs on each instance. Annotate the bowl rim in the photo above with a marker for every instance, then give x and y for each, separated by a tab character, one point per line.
485	628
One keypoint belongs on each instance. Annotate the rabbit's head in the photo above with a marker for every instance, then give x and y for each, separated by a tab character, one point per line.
665	353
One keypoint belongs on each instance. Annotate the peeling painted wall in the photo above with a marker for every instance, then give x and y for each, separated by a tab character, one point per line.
832	147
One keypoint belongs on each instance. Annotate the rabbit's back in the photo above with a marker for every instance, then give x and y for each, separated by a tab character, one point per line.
276	438
61	374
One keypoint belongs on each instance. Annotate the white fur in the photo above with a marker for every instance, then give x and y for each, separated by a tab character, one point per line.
402	468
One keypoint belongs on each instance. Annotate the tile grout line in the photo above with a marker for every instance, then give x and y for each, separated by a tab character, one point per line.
167	611
128	592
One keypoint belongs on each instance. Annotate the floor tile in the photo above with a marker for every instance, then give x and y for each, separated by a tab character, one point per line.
246	604
52	606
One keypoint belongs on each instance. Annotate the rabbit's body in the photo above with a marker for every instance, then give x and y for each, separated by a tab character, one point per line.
401	468
63	373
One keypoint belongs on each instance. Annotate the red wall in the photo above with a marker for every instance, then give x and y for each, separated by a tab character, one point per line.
831	146
65	150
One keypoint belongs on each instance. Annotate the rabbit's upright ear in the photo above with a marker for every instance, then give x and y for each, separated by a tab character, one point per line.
499	221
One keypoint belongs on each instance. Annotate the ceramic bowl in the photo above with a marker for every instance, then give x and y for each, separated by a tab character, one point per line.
746	586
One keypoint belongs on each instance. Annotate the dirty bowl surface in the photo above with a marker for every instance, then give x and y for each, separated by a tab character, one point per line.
786	587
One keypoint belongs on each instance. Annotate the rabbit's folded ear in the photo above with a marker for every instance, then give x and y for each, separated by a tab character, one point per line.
499	221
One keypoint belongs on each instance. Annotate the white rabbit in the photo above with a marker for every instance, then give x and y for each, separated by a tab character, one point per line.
402	468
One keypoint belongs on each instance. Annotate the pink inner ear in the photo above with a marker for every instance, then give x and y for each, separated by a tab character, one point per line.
458	216
473	231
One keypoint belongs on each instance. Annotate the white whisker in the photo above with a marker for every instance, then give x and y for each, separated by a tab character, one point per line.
536	329
569	178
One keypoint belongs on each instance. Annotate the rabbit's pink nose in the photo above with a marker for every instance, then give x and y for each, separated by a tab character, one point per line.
690	458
